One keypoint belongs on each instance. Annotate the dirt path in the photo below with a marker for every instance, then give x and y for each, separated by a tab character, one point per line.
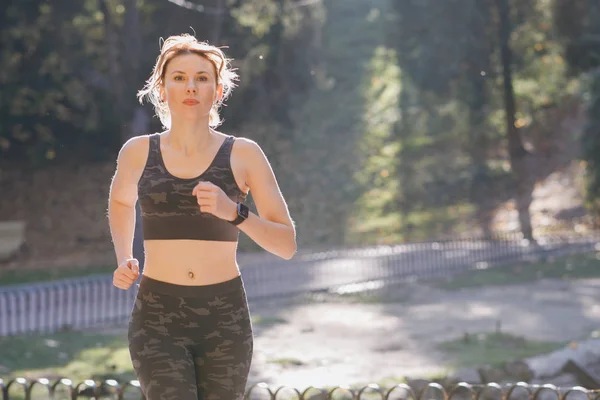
348	343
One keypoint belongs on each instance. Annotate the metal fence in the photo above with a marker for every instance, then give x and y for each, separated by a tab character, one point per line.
91	301
20	388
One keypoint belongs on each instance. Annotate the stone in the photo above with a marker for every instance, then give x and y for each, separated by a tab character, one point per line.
519	371
551	364
490	374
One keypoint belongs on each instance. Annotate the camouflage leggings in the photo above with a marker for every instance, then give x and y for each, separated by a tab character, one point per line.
191	342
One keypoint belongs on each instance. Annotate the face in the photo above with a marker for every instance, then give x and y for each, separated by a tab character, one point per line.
190	87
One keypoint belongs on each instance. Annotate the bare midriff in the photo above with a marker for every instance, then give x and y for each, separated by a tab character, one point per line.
190	262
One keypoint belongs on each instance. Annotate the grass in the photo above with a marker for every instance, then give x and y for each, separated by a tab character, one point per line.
494	349
287	362
578	266
267	321
77	355
18	276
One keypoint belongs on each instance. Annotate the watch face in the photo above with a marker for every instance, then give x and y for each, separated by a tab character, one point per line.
243	210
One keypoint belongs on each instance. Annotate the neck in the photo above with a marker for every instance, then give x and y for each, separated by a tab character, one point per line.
189	138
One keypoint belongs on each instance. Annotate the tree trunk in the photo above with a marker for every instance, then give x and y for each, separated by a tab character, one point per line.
218	27
519	157
478	58
112	56
591	135
593	7
477	150
132	41
403	162
277	97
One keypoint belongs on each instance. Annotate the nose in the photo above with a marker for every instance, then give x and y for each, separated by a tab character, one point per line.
191	87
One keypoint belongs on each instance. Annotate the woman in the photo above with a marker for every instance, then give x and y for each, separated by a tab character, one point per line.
190	335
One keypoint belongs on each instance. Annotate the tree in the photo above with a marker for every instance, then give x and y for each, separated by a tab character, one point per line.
577	22
48	105
518	155
429	36
477	62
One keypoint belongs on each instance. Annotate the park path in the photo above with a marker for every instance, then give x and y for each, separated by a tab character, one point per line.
336	343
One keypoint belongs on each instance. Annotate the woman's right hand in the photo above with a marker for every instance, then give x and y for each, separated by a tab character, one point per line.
126	273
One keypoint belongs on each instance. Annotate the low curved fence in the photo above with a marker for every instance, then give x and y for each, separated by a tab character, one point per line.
21	388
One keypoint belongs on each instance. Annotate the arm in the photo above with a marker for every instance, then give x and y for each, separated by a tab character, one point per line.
272	228
123	196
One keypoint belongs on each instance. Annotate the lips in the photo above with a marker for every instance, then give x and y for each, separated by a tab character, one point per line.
190	102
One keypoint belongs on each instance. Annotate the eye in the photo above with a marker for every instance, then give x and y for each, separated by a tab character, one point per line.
178	78
202	78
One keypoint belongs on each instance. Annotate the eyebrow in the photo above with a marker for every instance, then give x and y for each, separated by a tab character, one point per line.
181	72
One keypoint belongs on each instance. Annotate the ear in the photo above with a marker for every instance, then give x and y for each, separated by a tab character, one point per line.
162	95
219	93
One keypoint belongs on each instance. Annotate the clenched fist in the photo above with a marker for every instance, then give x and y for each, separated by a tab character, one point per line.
126	273
213	200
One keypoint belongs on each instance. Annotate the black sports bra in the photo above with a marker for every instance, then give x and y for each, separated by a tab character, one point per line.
169	211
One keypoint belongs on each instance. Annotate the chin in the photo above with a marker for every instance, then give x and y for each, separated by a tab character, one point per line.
192	116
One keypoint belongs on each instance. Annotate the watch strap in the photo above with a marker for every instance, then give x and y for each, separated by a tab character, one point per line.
241	208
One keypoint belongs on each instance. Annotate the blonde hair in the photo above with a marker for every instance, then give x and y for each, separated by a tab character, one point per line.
187	44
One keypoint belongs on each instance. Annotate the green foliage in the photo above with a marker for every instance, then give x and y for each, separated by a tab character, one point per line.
45	98
578	28
541	79
375	215
384	120
70	83
429	34
329	121
258	15
451	136
494	349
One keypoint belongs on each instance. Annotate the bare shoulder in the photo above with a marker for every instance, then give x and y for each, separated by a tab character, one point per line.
136	144
246	144
130	166
134	152
247	148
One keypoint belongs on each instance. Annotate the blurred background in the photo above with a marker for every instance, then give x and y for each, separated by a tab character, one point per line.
441	160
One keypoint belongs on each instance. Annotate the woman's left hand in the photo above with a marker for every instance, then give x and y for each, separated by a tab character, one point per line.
213	200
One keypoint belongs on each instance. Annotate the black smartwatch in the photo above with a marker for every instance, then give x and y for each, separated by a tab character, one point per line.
242	214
